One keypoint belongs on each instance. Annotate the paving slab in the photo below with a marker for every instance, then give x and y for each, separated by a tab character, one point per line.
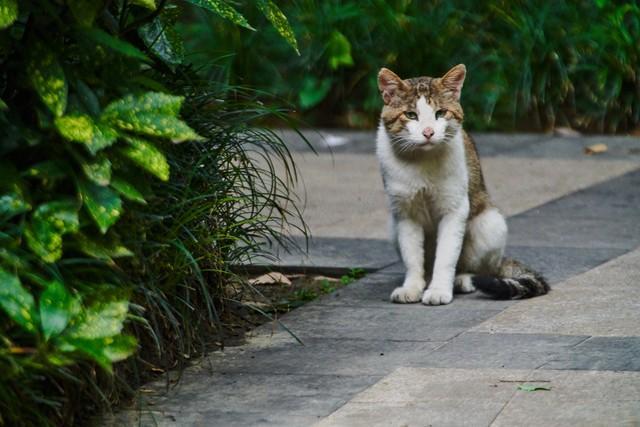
512	351
336	253
601	302
346	208
600	353
247	399
342	195
584	398
397	322
453	397
323	356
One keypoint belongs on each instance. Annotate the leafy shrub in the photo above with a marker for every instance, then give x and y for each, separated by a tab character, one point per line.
105	223
531	65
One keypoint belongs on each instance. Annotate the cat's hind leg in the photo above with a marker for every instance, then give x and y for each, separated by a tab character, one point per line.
484	244
463	284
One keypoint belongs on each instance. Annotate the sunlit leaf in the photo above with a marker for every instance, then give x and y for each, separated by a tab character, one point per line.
17	302
57	307
85	11
104	351
279	21
149	102
128	190
101	320
151	114
47	78
8	12
104	248
81	128
98	171
49	222
102	203
223	9
147	156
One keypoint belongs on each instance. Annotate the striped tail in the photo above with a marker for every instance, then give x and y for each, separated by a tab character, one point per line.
514	281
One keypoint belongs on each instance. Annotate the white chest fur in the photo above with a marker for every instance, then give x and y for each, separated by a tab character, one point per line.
428	186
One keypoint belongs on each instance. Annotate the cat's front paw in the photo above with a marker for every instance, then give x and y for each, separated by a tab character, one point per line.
437	296
405	294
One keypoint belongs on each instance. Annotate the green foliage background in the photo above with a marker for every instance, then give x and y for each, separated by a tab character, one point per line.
120	221
531	65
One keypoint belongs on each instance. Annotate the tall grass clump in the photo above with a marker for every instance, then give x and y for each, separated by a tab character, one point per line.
230	200
531	65
127	188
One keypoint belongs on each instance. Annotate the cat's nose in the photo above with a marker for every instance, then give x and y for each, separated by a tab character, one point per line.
428	132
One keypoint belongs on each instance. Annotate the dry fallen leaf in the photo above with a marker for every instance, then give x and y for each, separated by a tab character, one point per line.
596	149
566	132
273	278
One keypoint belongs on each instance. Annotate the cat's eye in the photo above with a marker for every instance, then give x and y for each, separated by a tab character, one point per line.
440	113
411	115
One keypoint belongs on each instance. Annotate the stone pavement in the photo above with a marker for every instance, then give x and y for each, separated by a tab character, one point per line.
367	362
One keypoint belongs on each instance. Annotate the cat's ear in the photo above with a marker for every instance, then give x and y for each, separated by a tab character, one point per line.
454	79
389	83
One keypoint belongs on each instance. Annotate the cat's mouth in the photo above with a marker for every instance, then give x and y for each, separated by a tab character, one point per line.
424	143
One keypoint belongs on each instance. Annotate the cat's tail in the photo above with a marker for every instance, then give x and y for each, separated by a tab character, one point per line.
515	280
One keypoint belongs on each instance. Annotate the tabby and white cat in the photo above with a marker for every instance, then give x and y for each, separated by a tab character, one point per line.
442	219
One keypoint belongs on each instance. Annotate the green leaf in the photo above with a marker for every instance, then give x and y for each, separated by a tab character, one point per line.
81	128
17	302
105	249
103	319
48	170
98	171
128	190
104	351
159	125
149	4
147	156
102	203
339	51
149	102
12	204
49	222
88	98
223	9
151	114
3	105
57	307
314	91
8	12
85	11
47	78
279	21
115	44
163	40
529	387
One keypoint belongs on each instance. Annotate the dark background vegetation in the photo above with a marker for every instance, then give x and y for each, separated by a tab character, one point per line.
532	65
136	171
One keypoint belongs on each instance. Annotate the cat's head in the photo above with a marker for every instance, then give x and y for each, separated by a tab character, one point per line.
423	112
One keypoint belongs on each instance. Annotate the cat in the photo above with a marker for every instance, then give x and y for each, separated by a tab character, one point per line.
443	222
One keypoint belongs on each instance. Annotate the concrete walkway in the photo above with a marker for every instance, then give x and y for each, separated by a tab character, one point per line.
367	362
